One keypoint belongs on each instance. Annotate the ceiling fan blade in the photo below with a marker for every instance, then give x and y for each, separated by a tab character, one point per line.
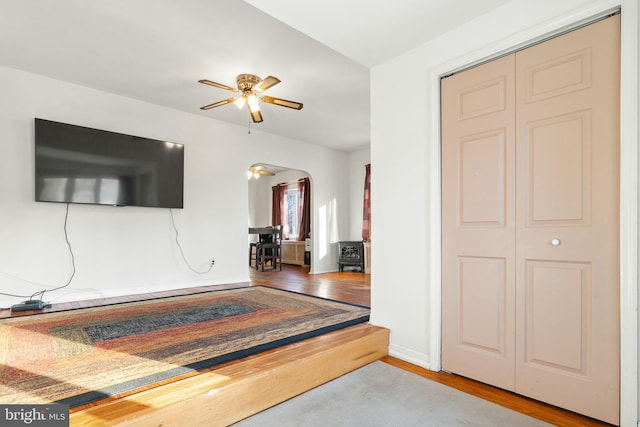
259	170
256	115
219	103
218	85
283	102
266	83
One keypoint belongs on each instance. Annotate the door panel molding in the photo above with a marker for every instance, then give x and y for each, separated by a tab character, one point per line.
555	168
485	98
481	182
482	292
558	293
559	76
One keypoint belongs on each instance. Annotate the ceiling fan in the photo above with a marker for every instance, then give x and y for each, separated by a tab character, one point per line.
250	88
256	170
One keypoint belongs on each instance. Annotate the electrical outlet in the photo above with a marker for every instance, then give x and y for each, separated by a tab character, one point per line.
212	262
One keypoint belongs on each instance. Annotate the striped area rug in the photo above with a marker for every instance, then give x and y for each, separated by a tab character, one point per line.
81	356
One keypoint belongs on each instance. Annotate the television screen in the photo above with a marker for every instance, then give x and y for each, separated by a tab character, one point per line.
75	164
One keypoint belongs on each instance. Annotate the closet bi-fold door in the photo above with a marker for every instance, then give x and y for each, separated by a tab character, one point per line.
567	227
478	223
531	221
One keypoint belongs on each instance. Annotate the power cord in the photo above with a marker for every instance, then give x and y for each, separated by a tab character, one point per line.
184	258
40	294
73	259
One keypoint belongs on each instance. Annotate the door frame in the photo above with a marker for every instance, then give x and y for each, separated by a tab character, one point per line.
629	175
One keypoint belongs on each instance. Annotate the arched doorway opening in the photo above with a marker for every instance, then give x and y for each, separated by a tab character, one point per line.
286	185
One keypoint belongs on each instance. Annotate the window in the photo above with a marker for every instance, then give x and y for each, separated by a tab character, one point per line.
291	212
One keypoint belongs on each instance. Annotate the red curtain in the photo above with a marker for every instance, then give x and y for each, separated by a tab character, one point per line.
304	195
366	205
277	204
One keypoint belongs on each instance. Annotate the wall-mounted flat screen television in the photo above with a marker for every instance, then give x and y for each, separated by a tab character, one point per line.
75	164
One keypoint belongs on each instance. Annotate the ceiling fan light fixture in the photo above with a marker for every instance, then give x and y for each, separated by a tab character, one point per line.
239	102
253	102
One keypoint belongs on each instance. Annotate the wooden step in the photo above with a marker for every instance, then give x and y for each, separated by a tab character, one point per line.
236	390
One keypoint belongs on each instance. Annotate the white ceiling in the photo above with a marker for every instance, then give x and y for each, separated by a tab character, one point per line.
372	32
157	50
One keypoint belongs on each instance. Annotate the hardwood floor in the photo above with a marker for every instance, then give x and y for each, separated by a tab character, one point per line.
533	408
354	287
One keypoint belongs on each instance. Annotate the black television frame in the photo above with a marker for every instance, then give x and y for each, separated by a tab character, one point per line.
147	172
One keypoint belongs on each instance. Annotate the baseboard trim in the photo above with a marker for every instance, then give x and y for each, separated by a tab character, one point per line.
411	356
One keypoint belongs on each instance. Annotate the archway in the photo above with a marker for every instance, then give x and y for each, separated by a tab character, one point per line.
296	245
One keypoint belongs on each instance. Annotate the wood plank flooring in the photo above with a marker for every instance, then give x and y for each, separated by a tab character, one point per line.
354	287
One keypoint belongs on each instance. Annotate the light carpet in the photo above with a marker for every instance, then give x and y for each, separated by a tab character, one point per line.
383	395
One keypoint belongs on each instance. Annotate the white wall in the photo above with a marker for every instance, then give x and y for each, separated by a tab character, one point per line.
130	250
259	203
405	150
357	161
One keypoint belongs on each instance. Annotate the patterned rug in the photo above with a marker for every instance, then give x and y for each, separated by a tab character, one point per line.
80	356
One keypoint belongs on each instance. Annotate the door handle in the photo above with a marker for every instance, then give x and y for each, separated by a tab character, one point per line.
555	242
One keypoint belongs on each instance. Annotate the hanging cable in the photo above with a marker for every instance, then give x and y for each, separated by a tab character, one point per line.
184	258
73	259
40	294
